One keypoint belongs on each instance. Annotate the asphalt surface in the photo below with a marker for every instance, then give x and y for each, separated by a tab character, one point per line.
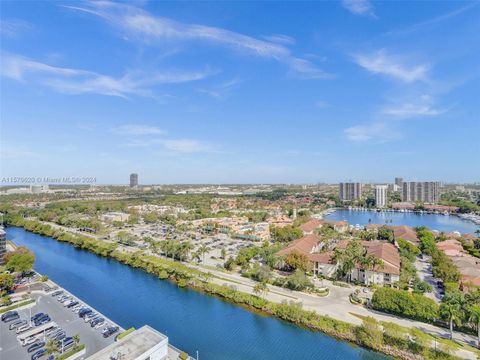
70	322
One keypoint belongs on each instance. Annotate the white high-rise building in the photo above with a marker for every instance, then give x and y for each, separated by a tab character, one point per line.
350	191
381	196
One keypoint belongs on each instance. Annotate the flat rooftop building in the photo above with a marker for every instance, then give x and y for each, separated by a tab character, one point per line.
144	343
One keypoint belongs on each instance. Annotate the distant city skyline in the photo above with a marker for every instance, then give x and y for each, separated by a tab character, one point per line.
190	92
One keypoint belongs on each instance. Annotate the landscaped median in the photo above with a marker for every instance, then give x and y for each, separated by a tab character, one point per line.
74	351
16	306
370	334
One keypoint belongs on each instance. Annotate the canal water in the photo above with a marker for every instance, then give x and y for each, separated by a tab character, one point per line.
193	321
446	223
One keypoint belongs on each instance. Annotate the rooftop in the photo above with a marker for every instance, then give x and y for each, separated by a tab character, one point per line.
132	346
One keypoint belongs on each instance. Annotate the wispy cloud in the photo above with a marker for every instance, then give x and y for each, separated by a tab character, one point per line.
380	62
14	27
376	132
422	106
221	90
78	81
140	25
138	135
15	151
359	7
137	130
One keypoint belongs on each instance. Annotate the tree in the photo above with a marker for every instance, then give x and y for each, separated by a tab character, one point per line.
296	260
348	257
385	233
76	339
202	250
260	289
451	311
474	318
20	261
285	234
370	334
6	282
223	253
298	281
51	347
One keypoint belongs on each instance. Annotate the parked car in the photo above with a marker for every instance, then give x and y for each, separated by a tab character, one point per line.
11	317
39	354
84	312
17	323
23	328
36	346
29	340
8	314
96	321
72	304
57	293
37	316
109	331
43	321
89	317
99	324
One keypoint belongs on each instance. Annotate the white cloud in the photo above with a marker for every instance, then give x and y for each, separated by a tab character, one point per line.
385	64
420	107
15	151
78	81
186	146
378	132
139	24
137	130
13	27
359	7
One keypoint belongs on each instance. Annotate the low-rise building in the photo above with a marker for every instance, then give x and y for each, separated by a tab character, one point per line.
323	263
142	344
311	225
114	216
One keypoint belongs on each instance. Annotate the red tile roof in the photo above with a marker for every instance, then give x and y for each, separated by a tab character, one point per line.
303	245
310	225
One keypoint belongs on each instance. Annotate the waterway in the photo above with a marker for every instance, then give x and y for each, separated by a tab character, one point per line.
440	222
192	320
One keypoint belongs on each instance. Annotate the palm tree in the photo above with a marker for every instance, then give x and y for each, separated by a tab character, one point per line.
202	250
474	318
51	347
452	312
260	289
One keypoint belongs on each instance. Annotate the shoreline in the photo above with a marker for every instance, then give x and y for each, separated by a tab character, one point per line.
415	212
184	276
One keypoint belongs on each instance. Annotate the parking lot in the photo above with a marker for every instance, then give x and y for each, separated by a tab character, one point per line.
65	318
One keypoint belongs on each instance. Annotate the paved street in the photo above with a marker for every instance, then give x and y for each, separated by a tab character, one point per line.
424	271
10	348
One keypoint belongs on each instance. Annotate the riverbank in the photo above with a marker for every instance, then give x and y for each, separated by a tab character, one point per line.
187	277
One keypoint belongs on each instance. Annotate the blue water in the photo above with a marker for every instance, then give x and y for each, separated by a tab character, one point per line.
193	321
438	222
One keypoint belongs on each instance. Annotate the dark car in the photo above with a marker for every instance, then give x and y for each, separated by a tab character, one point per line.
42	320
84	312
37	316
11	318
64	342
96	321
36	346
109	331
39	354
8	314
72	304
57	293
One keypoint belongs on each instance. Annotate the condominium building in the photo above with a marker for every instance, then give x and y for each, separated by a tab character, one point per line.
427	191
350	191
399	182
3	245
381	195
133	180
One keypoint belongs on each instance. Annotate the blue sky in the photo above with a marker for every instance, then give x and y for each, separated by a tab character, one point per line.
241	92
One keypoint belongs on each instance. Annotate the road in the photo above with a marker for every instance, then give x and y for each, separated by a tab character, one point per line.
424	272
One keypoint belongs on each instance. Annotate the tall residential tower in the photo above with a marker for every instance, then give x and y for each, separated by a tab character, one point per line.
350	191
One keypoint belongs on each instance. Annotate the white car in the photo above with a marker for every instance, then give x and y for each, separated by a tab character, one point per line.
23	328
68	302
90	317
99	325
29	340
76	308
